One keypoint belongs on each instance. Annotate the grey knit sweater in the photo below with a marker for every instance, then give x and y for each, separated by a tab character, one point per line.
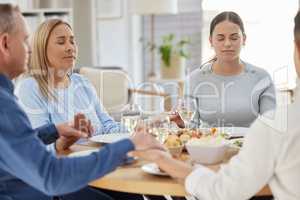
230	100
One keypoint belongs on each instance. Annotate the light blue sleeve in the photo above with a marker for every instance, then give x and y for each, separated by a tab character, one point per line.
33	103
109	125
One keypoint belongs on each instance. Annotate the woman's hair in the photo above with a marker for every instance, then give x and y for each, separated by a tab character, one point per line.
297	29
39	63
221	17
226	16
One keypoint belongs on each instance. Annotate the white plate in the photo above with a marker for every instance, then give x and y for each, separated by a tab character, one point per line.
82	153
152	168
109	138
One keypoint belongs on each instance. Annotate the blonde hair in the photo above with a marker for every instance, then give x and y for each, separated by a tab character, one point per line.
39	63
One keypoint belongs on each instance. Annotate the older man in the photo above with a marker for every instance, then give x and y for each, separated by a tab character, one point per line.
27	170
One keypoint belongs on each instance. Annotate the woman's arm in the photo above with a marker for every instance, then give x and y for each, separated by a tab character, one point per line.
109	125
267	99
241	178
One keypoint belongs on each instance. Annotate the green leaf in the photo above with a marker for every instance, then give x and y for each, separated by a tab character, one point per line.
168	47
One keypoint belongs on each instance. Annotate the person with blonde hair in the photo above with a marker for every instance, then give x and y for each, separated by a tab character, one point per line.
27	169
52	93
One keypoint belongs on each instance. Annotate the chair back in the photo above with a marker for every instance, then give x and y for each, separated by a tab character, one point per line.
111	84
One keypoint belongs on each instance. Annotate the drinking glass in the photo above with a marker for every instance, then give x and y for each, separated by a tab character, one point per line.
186	108
130	117
161	127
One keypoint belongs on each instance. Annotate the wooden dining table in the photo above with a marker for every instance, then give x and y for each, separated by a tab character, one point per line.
132	179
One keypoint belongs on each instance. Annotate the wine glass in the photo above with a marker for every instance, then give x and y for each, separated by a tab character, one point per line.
186	108
130	117
158	126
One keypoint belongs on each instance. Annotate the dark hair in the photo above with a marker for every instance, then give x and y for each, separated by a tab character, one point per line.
227	16
297	27
8	17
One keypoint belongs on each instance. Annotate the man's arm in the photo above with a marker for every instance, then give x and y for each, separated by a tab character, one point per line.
48	133
25	157
66	134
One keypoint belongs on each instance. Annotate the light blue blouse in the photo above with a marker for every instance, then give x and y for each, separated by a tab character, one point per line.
79	97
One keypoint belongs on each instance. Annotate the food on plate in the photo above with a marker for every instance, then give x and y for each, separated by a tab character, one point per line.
191	132
174	145
238	143
184	138
213	131
208	140
173	141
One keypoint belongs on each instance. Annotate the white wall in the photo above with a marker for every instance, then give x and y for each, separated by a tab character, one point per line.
118	39
118	43
269	41
84	30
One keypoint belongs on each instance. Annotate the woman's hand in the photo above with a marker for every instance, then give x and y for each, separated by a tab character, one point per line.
80	128
152	155
69	133
83	124
176	118
164	160
143	140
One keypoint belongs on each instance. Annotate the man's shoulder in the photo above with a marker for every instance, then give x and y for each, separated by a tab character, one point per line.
7	100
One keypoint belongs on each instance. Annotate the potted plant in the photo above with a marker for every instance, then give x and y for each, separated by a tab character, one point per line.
173	56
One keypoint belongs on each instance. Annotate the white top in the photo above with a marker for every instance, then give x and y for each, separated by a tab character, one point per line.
270	155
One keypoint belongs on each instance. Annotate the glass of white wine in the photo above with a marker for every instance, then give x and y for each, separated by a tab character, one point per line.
159	126
130	122
186	108
131	117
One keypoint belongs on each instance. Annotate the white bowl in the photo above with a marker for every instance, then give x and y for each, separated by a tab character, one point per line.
207	153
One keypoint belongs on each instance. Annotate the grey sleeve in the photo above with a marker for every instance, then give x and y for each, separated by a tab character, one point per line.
267	99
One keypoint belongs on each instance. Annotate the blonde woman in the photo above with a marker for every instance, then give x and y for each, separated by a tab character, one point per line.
52	93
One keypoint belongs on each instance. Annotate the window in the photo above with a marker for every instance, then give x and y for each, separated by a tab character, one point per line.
269	26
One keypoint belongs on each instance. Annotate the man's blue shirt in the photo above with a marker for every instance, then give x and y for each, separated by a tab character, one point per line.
28	171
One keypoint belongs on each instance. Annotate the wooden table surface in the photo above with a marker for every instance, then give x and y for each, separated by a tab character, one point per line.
132	179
